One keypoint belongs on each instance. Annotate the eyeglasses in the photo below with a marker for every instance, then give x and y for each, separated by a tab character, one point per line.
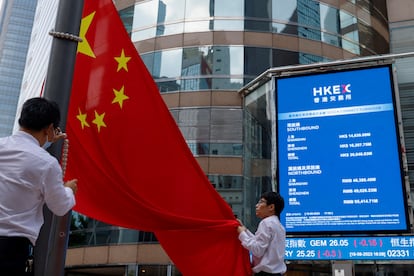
57	130
262	201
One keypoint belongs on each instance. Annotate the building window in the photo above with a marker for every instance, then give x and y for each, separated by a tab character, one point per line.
127	17
145	19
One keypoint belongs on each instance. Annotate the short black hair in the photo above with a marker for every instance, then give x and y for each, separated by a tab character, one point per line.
276	199
38	113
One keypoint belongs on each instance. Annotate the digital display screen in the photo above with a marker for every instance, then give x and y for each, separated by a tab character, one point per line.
338	162
350	248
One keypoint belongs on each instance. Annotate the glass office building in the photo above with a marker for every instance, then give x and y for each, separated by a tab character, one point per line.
16	20
200	53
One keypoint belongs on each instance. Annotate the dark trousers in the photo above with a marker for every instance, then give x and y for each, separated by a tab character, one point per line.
262	273
14	255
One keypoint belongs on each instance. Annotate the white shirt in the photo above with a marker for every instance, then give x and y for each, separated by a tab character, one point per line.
29	178
267	245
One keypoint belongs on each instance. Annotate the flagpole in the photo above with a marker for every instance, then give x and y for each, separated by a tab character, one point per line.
51	246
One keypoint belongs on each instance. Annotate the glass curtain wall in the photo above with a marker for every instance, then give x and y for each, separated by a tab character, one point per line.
403	42
257	148
304	18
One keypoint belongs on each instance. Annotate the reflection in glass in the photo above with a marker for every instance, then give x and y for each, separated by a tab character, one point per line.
257	25
225	125
195	117
148	60
127	16
199	148
309	19
257	147
403	42
165	86
167	64
260	63
227	83
197	61
170	11
221	60
229	8
197	9
348	21
220	127
258	9
216	67
145	14
89	232
349	44
194	125
284	57
284	11
198	26
260	130
199	133
228	25
304	18
258	14
222	149
194	67
349	31
329	25
284	28
226	181
145	18
196	84
170	29
305	58
143	34
230	188
228	60
200	83
368	38
226	149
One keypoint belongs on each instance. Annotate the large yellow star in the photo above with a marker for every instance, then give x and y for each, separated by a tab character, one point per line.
83	46
120	96
82	118
99	120
122	61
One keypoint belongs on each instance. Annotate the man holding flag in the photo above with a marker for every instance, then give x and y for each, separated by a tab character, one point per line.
29	178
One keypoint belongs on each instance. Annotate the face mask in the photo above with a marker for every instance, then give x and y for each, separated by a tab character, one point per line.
47	144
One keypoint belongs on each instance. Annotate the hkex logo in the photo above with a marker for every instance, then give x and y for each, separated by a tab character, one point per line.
331	90
332	93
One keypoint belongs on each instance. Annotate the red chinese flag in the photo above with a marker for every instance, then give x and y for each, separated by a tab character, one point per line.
135	169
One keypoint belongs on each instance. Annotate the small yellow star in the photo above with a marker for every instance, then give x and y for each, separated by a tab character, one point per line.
122	61
83	46
120	96
99	120
82	118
